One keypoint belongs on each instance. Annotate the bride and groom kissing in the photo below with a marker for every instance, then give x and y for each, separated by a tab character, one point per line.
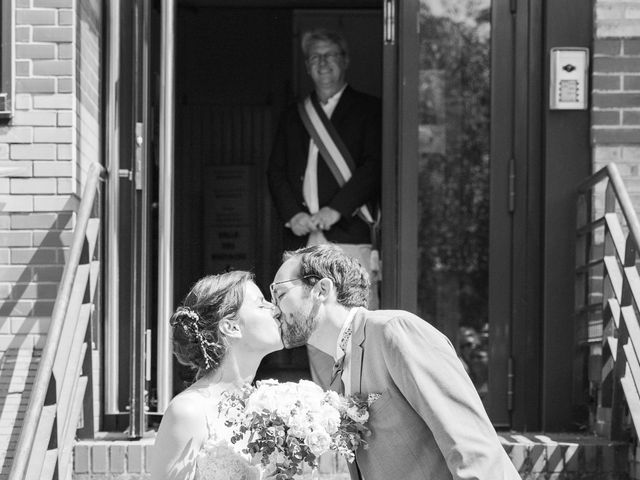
427	422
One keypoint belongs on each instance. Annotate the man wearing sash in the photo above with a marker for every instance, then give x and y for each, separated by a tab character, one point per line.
324	169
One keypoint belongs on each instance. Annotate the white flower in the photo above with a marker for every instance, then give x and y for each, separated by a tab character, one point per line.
299	426
329	418
318	441
357	416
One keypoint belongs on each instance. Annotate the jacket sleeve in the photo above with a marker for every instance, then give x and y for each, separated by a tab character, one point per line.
364	185
428	373
280	187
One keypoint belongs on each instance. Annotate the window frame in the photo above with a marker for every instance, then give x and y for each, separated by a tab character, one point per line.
7	49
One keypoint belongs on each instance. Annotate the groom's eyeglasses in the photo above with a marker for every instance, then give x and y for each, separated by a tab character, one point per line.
275	296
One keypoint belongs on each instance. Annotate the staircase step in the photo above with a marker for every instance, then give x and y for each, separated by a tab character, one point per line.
41	442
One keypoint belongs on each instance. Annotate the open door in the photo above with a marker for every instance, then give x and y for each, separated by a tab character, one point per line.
449	228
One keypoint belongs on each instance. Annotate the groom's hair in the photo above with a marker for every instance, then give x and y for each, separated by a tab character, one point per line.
349	277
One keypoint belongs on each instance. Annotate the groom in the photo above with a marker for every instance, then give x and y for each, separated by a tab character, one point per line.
428	422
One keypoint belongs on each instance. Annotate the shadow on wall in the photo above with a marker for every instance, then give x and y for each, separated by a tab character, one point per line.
38	253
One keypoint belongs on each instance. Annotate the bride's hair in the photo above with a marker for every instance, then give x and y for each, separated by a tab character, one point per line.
197	340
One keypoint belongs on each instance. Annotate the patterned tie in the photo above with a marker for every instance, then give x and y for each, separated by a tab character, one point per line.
338	366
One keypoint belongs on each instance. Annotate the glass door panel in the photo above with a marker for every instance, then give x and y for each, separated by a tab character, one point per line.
454	89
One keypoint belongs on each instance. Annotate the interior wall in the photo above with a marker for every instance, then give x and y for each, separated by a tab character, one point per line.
233	80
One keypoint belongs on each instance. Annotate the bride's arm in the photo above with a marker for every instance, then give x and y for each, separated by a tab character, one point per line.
179	439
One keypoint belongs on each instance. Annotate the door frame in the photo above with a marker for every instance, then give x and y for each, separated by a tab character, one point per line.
515	198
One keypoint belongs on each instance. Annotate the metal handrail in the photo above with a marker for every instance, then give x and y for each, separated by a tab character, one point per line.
615	180
45	368
618	258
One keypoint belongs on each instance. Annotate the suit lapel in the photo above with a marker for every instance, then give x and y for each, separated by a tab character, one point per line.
343	106
357	350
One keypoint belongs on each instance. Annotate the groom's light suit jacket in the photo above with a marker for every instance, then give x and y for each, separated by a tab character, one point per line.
429	422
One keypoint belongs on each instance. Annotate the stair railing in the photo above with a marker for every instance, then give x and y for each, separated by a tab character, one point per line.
56	402
608	297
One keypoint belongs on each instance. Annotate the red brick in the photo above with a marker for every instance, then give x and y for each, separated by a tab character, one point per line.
65	85
65	185
23	34
47	273
615	135
34	118
65	152
32	325
53	67
52	134
81	462
134	458
34	256
65	220
631	82
605	117
33	152
65	50
54	203
65	17
33	221
54	102
35	51
99	459
23	101
21	186
606	82
53	3
52	169
52	238
35	17
23	68
606	47
616	64
631	46
616	100
15	239
17	203
65	119
35	85
52	34
13	273
16	135
117	458
631	118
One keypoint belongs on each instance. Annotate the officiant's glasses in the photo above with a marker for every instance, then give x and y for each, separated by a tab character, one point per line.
277	296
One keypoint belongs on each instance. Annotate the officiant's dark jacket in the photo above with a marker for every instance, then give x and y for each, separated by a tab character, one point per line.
357	118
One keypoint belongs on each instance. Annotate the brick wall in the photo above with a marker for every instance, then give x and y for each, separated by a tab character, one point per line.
616	90
44	151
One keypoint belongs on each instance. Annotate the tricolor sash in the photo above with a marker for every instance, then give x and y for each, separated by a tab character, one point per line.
331	147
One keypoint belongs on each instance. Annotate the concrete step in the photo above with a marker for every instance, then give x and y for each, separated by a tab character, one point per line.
537	456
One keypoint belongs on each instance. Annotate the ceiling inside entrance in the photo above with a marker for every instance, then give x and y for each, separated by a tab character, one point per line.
283	3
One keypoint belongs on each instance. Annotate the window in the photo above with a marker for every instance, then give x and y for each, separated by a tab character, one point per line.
6	58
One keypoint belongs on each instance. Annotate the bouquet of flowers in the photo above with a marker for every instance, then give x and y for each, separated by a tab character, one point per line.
287	425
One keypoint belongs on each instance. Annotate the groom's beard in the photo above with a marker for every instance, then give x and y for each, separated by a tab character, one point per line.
297	327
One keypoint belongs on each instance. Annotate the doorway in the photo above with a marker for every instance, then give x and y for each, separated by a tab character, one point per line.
239	68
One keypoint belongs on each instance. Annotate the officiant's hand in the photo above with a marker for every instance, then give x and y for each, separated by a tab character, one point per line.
302	224
326	218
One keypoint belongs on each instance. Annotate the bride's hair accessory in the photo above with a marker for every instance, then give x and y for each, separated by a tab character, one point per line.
190	320
197	340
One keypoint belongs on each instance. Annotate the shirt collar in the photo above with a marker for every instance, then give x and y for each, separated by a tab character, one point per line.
345	334
335	98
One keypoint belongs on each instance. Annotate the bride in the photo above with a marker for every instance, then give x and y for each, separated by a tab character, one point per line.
223	330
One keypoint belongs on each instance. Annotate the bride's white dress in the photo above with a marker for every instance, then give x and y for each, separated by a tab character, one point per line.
219	459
